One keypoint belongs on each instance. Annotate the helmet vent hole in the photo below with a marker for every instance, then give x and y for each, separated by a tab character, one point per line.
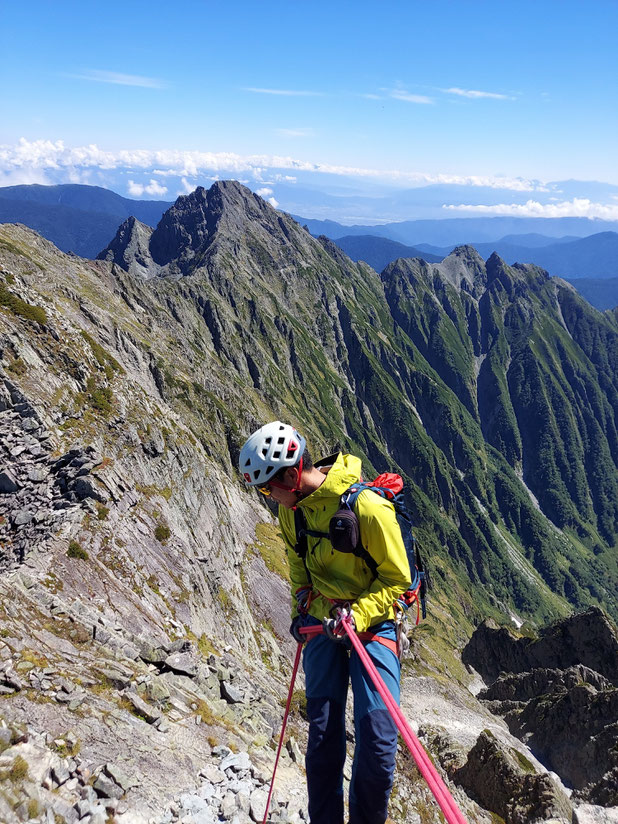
277	454
269	469
264	452
290	454
281	441
248	462
268	440
256	474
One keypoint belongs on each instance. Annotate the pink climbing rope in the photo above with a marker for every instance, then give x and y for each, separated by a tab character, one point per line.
285	721
445	800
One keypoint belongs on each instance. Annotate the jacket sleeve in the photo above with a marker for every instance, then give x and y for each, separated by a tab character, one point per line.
381	537
298	573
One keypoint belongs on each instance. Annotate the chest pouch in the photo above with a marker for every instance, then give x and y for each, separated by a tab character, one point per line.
344	531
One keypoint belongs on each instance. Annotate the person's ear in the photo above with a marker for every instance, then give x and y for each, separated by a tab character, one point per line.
291	476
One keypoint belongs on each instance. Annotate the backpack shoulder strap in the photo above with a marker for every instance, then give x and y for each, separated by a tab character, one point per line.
301	547
348	501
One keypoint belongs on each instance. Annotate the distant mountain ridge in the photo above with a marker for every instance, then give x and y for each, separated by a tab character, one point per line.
378	252
460	231
592	256
41	208
76	218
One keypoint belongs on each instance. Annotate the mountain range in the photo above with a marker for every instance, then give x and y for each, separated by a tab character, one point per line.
142	582
590	263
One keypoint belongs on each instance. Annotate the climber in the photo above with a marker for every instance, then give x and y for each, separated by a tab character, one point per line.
326	586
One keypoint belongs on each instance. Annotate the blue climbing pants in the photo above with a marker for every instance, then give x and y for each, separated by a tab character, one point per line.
329	666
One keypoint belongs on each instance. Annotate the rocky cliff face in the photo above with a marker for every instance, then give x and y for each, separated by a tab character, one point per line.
559	695
143	611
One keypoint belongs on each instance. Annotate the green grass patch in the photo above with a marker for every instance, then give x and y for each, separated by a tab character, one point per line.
106	361
102	512
76	550
162	533
19	307
526	765
269	544
206	647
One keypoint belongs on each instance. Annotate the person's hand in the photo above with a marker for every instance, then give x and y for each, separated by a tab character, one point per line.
334	628
295	626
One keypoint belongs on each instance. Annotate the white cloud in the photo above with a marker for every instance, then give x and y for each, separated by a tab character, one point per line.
285	92
274	203
476	95
31	157
264	191
118	79
138	189
578	207
295	132
23	177
401	94
187	187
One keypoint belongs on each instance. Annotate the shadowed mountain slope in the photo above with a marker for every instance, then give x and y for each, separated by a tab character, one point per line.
378	252
76	218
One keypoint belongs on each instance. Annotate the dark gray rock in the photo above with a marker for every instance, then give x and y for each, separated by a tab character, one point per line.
8	482
506	784
148	713
588	638
184	663
231	693
106	787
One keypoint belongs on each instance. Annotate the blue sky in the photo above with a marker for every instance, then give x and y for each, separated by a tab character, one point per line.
405	93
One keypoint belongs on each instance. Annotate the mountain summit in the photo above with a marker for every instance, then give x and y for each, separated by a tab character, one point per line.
186	232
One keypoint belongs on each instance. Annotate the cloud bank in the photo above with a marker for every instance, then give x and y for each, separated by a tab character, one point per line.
138	189
55	162
577	207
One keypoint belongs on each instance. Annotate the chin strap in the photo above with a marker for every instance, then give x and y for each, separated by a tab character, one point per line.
299	468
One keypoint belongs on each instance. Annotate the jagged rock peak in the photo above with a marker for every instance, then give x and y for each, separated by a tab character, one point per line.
187	230
464	268
188	227
586	638
129	249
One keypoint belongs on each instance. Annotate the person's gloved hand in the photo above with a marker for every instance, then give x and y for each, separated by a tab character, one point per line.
333	627
295	626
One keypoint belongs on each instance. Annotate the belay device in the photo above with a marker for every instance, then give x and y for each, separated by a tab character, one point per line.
344	535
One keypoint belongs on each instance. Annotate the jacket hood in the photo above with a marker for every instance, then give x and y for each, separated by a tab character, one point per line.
344	471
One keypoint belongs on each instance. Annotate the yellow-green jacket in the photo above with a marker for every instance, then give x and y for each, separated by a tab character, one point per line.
344	576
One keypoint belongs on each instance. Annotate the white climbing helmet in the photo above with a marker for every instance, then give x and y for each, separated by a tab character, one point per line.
273	447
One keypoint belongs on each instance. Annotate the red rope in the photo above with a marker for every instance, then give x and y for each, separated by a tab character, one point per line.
445	800
285	721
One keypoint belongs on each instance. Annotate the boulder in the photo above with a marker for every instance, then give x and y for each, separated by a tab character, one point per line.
507	784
